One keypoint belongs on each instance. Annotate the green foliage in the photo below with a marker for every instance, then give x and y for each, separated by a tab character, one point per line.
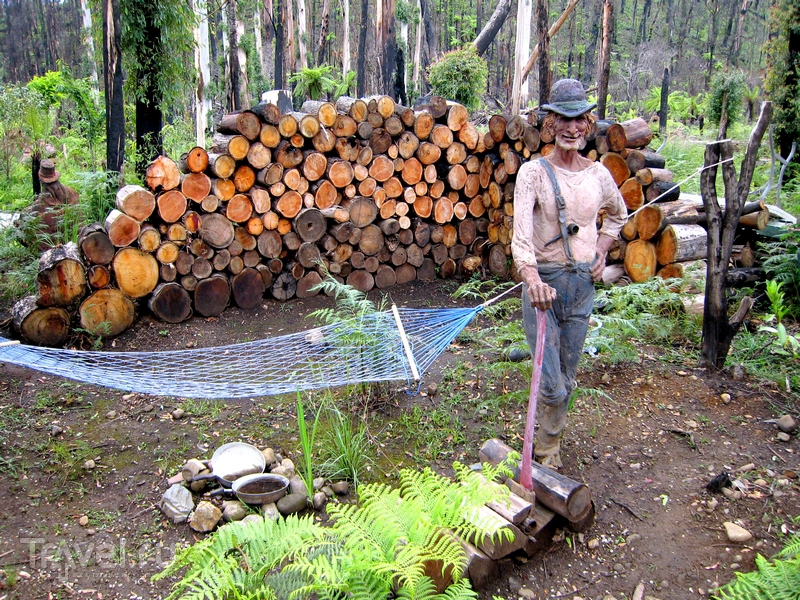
783	266
732	84
783	68
346	85
162	59
773	580
785	344
681	106
376	549
460	75
402	11
346	447
19	259
650	312
777	299
306	466
313	82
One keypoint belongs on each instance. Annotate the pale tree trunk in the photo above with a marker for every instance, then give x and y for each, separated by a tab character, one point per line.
406	50
417	46
605	60
488	33
244	83
89	41
737	44
323	31
346	38
201	61
519	91
269	51
257	25
302	33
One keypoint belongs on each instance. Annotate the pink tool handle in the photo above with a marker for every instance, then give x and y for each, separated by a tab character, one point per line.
533	400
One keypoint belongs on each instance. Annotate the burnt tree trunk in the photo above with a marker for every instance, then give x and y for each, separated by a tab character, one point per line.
488	33
112	76
718	330
361	65
663	113
542	26
149	120
279	47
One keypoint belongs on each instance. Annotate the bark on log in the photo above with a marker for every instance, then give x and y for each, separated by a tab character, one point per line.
679	243
637	133
40	326
162	174
122	229
62	276
135	201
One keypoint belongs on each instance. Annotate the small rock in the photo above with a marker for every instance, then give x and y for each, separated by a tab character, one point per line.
514	584
90	532
279	470
760	482
233	510
605	378
56	431
341	488
682	373
205	517
288	467
518	354
318	483
177	503
270	511
734	566
736	533
731	494
297	485
319	501
526	593
89	465
638	593
737	372
192	468
328	491
112	414
786	424
253	518
129	396
632	538
712	504
593	544
269	456
147	408
746	468
292	503
726	398
784	437
433	389
83	521
178	414
618	567
198	487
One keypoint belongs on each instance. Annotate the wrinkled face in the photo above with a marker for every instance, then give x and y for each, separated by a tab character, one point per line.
570	134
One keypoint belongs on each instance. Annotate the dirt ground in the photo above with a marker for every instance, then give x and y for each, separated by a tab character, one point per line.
646	452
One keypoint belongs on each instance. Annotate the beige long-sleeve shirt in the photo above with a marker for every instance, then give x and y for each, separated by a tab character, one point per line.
536	213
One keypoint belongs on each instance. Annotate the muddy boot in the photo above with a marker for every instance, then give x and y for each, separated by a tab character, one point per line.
547	446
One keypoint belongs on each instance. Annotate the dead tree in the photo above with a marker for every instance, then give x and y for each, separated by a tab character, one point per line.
718	329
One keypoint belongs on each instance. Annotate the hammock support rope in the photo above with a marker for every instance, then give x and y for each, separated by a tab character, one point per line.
374	347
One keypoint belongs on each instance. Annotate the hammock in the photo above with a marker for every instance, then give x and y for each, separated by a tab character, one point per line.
393	345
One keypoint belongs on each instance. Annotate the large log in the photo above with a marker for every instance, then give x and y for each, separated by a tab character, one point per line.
95	245
211	295
247	288
653	218
62	276
637	133
40	326
640	260
170	303
194	161
107	313
235	146
171	206
136	272
122	230
162	174
216	230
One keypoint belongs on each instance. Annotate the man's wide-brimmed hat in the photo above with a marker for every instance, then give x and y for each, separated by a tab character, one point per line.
568	99
47	172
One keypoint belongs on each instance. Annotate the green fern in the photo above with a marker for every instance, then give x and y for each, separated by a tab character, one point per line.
773	580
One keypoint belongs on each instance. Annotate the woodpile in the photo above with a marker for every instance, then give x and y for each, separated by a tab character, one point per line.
372	192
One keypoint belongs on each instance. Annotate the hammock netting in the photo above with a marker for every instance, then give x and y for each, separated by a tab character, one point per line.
359	350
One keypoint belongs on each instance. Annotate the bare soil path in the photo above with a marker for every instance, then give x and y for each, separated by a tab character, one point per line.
646	451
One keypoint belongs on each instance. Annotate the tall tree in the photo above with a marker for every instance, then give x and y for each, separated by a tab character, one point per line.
542	27
113	81
519	90
783	71
234	69
88	40
345	38
279	43
605	60
202	62
322	44
302	33
361	64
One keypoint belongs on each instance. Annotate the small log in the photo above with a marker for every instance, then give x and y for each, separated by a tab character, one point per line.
653	218
212	295
194	161
617	166
40	326
95	245
640	260
171	206
135	201
361	280
239	208
235	146
289	204
644	158
136	272
107	313
632	194
122	229
441	136
223	190
167	253
247	288
268	112
98	276
663	191
216	230
284	287
307	283
567	497
162	174
680	243
62	277
171	303
637	133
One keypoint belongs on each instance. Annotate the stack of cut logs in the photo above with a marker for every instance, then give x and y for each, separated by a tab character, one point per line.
374	193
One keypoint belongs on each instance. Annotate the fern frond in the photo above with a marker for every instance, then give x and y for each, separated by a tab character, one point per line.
791	549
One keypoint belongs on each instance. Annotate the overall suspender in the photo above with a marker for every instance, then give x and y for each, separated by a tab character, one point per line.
562	208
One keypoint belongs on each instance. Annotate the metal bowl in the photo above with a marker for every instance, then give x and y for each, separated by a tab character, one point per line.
260	488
